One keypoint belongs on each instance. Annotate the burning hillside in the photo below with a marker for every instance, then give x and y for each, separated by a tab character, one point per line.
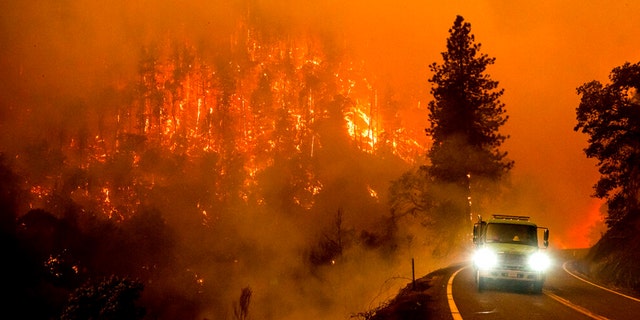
257	101
257	159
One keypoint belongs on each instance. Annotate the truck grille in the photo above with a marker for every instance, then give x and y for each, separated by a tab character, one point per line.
512	261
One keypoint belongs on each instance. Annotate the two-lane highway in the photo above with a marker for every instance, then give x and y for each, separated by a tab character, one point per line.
565	296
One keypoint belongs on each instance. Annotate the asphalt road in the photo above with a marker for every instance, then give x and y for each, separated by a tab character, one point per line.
564	296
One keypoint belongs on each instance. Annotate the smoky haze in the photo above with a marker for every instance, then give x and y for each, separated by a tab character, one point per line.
70	66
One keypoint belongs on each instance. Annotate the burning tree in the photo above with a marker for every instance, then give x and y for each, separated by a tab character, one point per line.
113	298
263	128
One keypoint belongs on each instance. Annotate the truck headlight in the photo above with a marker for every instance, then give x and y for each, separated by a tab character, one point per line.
539	261
485	258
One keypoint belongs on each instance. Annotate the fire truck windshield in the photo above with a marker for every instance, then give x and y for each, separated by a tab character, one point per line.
512	233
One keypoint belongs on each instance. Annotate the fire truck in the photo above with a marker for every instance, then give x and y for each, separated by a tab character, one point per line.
507	249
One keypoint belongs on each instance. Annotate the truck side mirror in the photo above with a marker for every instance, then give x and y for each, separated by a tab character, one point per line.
478	230
546	238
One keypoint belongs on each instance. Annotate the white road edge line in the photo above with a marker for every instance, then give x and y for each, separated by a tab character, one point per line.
452	304
574	307
564	266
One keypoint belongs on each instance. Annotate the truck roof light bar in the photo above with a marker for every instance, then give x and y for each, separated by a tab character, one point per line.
508	217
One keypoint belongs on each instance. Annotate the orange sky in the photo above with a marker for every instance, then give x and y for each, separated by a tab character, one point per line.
544	50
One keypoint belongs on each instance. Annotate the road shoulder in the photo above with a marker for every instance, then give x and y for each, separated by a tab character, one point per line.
427	299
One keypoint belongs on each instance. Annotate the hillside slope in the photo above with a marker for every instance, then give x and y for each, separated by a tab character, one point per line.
613	260
426	299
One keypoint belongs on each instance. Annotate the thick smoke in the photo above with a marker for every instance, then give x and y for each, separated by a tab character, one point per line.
95	115
66	65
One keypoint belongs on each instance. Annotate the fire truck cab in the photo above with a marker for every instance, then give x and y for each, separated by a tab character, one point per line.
507	249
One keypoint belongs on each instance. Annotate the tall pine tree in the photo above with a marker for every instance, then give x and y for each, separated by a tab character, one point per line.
465	117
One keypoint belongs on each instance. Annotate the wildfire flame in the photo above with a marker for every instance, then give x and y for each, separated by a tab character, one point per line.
272	95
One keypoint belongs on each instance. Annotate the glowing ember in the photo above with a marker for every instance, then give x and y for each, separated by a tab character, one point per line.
373	193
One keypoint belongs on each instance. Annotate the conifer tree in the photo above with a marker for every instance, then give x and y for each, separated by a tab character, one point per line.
465	117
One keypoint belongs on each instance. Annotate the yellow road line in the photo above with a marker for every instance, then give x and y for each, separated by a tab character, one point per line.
574	307
564	266
452	304
455	313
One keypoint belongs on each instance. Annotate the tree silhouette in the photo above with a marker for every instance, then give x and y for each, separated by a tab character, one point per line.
466	112
610	115
465	117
